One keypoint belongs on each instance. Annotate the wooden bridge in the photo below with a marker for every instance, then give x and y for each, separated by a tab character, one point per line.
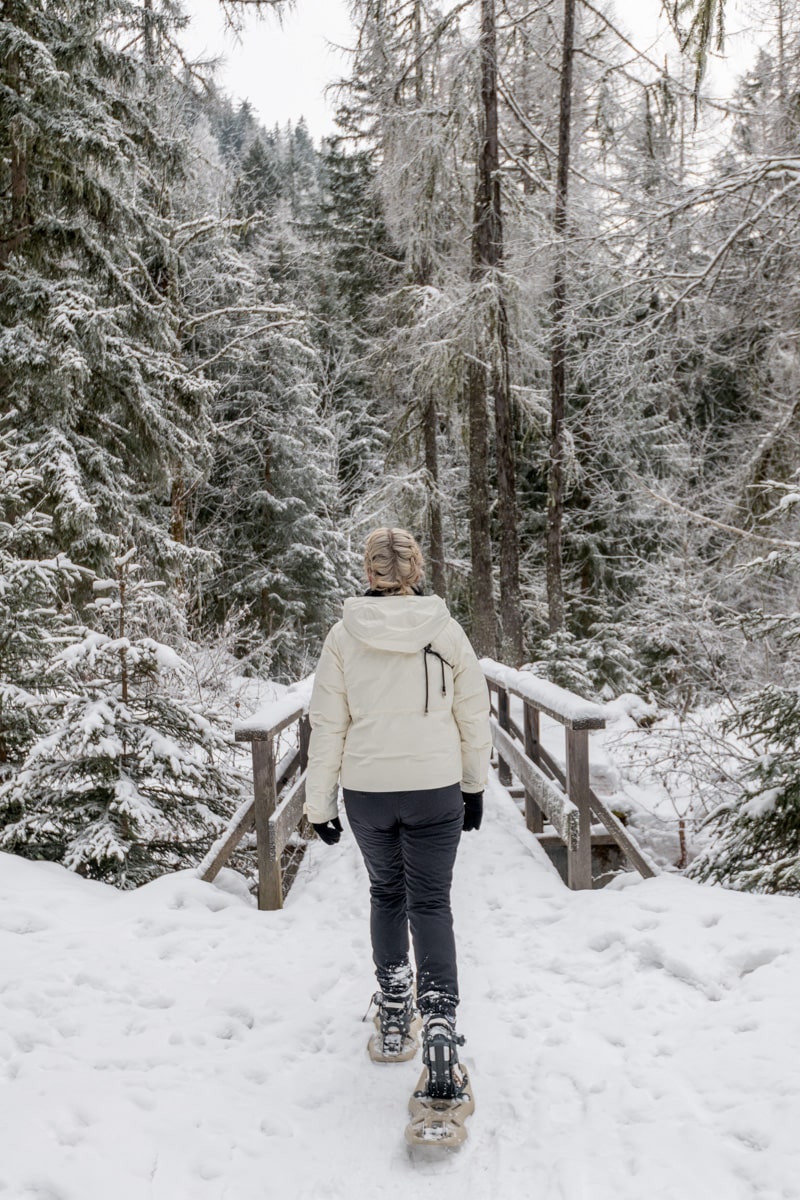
561	810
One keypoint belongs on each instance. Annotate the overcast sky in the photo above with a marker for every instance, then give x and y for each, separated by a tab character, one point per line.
283	70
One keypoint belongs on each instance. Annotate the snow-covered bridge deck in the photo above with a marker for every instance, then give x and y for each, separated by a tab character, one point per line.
176	1044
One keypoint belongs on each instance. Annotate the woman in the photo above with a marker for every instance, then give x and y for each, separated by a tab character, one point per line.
400	711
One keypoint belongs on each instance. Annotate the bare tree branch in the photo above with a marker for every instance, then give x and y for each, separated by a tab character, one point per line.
235	10
704	520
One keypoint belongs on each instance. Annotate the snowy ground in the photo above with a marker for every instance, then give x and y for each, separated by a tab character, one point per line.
639	1042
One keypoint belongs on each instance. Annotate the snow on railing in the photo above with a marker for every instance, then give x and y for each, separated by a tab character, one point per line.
275	714
557	702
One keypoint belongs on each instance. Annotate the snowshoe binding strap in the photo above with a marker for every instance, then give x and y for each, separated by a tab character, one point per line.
440	1054
375	1002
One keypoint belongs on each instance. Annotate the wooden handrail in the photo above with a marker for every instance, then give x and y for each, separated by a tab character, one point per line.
570	710
563	797
242	823
561	812
275	819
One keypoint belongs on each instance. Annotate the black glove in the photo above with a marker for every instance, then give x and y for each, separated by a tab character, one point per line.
473	810
329	831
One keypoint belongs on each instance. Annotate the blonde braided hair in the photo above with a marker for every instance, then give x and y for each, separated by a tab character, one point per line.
393	561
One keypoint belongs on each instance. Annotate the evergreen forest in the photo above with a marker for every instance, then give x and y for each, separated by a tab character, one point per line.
534	301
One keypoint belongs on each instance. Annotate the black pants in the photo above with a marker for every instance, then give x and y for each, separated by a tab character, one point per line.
409	842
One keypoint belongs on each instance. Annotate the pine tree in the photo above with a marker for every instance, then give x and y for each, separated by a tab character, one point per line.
268	511
301	171
35	615
90	357
258	187
235	128
131	779
350	226
755	839
755	842
352	265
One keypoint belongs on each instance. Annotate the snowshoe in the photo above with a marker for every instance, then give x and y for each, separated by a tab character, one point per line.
443	1097
397	1026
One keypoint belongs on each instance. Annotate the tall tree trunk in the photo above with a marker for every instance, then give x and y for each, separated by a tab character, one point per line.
787	111
781	55
558	348
484	633
510	600
149	33
484	628
178	505
486	265
430	420
487	262
423	273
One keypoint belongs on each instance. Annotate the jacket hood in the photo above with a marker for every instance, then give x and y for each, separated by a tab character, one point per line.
400	623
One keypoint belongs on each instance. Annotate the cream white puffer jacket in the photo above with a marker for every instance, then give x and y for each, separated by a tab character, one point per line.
387	714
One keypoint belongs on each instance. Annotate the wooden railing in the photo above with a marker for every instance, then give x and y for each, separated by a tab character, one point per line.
278	737
563	797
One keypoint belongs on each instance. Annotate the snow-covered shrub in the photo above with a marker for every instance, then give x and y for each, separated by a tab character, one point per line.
131	779
677	768
755	844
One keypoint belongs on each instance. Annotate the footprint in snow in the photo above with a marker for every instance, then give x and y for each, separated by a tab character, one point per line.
156	1002
241	1013
143	1100
751	960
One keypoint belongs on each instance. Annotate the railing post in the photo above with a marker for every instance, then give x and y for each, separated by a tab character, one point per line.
270	895
492	711
503	720
303	738
579	862
534	817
